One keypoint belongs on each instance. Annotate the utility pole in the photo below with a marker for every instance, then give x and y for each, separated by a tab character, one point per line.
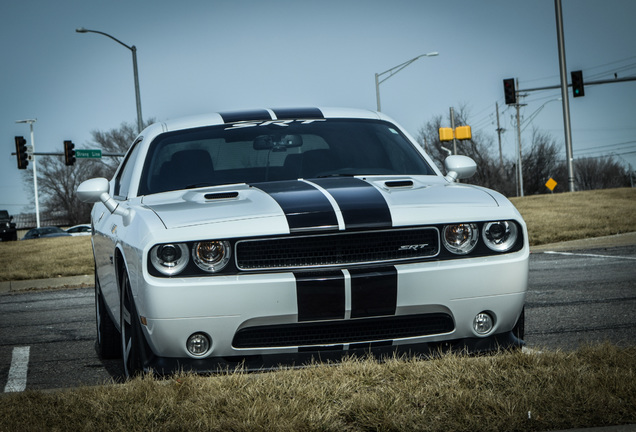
519	168
452	121
499	131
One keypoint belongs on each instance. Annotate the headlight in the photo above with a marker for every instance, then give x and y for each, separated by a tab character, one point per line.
212	256
460	239
500	236
169	259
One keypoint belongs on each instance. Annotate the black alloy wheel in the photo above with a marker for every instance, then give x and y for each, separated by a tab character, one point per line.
519	330
108	344
131	337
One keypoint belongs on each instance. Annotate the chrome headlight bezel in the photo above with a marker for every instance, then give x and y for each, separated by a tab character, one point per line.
212	256
460	238
169	259
500	236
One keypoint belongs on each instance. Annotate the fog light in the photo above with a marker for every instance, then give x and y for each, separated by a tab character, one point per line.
198	344
483	323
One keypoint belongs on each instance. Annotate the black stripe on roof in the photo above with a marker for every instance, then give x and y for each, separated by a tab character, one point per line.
298	113
251	115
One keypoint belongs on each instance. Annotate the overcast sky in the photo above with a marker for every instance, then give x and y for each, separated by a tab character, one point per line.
208	55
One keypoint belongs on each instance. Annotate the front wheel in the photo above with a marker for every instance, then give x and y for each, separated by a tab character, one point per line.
131	335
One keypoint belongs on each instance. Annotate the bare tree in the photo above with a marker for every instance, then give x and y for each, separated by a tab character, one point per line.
59	183
541	163
116	141
489	172
599	173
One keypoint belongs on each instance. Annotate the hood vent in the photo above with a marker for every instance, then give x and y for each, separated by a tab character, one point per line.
398	183
220	195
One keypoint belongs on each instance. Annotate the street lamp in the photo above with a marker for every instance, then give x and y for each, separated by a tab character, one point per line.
393	71
134	56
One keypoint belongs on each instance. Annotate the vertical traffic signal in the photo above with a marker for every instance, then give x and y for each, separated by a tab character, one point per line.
509	91
577	83
69	153
21	152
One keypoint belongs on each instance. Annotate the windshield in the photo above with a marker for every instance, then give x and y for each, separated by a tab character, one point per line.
277	150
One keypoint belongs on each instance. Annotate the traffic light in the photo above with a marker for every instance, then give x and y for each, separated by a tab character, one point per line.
21	152
69	153
577	83
509	91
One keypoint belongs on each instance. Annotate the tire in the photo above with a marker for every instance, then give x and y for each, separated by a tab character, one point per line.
131	335
108	344
519	330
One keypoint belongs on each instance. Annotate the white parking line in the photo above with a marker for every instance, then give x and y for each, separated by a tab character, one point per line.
590	255
18	371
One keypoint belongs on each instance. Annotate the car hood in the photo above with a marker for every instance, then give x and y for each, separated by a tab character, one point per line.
330	203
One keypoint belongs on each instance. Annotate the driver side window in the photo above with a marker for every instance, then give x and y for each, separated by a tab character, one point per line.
124	176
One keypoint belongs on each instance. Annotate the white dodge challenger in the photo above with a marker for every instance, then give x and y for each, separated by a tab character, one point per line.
278	236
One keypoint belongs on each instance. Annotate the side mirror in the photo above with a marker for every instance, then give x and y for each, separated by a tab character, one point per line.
459	167
91	191
95	190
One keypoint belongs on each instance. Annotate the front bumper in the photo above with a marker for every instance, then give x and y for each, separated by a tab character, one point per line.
222	307
271	362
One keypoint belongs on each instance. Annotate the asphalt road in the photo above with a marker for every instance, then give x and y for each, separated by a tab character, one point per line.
584	296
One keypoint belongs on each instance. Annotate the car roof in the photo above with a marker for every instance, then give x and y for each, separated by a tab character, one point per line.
260	114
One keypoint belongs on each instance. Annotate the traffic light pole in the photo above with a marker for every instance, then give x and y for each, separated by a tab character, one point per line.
587	83
564	94
35	175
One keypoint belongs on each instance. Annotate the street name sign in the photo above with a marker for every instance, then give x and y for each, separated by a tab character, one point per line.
94	154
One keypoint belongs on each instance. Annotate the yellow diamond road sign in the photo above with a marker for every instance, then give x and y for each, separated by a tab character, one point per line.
551	184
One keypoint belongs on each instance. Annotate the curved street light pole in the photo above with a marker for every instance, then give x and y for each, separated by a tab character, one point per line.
134	56
393	71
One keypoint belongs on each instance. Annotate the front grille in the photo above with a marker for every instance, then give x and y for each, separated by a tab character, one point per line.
337	249
343	331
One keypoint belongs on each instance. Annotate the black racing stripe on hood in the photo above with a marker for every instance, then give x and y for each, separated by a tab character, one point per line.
298	113
236	116
304	206
362	205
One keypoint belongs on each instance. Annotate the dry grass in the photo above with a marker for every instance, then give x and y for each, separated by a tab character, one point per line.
46	258
510	391
577	215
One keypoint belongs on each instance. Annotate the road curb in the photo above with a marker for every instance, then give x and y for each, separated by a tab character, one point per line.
625	239
41	284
